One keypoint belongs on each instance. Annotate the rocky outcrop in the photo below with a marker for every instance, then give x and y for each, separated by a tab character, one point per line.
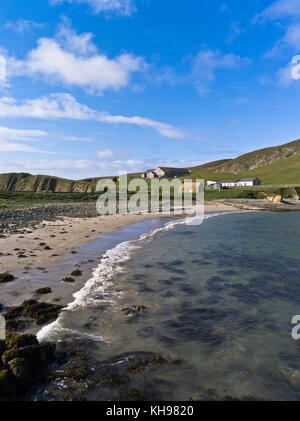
259	158
15	217
23	363
44	183
42	313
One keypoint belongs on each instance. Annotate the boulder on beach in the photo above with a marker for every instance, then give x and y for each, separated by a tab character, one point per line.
23	363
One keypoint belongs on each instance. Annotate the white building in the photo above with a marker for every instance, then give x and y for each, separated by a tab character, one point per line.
244	182
249	182
230	183
210	183
161	172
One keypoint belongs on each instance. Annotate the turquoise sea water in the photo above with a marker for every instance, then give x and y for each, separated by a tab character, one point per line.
219	299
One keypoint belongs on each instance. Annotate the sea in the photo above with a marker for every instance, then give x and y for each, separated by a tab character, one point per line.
175	311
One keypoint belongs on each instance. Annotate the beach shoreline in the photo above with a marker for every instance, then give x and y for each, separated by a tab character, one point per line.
43	256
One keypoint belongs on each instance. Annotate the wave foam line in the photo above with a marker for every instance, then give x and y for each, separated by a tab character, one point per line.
100	284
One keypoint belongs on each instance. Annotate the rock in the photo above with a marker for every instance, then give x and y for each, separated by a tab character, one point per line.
36	356
2	347
8	387
19	341
41	312
22	373
6	277
16	325
25	363
134	310
68	279
76	272
43	291
277	198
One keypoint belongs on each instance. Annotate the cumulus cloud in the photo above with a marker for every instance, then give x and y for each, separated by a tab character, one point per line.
64	106
121	7
74	60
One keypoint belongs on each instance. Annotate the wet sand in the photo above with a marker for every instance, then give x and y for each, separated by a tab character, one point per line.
44	256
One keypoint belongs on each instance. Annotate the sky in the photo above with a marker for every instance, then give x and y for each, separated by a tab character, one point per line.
92	87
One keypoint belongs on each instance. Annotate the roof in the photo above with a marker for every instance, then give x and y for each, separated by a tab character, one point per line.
229	181
249	179
178	170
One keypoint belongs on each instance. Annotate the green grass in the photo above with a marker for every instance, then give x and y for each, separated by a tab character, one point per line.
282	171
237	194
48	198
38	198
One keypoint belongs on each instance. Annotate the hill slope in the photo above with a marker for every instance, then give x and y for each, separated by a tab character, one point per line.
276	165
36	183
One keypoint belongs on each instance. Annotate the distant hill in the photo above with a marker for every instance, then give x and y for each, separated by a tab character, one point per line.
276	165
40	183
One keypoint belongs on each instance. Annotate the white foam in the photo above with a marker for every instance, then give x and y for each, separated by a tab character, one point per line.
99	287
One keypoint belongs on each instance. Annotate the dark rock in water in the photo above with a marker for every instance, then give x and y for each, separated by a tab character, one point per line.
19	341
76	272
16	325
37	356
23	363
6	277
143	364
42	313
68	279
8	388
43	291
133	310
20	369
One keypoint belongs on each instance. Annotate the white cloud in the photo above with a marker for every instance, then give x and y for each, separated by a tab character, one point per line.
77	139
279	9
284	76
67	37
23	25
9	136
292	36
21	135
84	168
64	106
74	60
109	154
207	62
121	7
16	147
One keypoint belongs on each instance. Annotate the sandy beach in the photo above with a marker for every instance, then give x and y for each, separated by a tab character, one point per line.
42	257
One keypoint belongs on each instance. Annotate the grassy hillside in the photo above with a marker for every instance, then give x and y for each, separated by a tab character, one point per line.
277	165
38	183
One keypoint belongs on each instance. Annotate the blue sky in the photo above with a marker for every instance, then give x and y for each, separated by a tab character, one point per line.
94	87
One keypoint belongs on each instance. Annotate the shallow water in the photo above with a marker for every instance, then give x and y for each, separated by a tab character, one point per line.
219	300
